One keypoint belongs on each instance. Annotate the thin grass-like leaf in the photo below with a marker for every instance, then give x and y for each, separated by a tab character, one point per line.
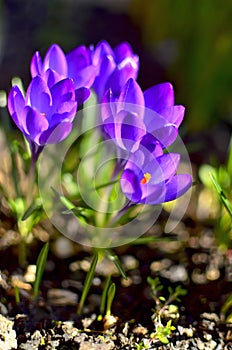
40	266
33	208
114	258
104	296
110	298
222	195
87	283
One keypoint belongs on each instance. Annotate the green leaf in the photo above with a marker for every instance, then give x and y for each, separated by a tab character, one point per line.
229	162
34	208
115	259
87	283
40	266
110	298
204	172
104	295
222	195
163	339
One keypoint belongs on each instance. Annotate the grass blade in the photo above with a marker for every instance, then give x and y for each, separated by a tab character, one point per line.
40	266
87	284
222	195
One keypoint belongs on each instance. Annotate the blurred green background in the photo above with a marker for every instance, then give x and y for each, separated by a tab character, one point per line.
188	43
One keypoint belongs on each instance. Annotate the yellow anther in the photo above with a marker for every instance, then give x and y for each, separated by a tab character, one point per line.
146	178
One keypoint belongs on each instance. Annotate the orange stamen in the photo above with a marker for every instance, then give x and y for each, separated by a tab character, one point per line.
146	178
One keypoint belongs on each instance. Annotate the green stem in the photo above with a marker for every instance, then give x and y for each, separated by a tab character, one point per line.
104	296
22	252
110	298
87	283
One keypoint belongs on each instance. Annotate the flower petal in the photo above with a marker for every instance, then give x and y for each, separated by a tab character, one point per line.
174	114
177	186
166	135
122	51
16	103
55	59
81	95
35	123
38	95
162	168
121	75
130	186
105	69
153	194
61	92
36	66
85	77
131	98
102	50
56	134
159	96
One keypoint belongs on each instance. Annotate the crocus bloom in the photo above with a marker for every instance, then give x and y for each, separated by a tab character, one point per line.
115	67
147	179
45	115
57	66
148	118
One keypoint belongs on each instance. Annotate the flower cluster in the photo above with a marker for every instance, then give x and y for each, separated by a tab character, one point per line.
142	124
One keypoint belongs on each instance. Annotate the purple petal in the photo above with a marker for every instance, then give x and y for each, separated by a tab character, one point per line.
162	168
153	194
126	129
56	134
68	107
55	59
107	108
16	103
62	91
153	120
38	95
166	135
78	59
131	97
102	50
159	96
81	95
136	162
177	186
151	144
130	186
105	70
123	51
85	77
35	123
36	66
80	68
121	75
174	114
51	77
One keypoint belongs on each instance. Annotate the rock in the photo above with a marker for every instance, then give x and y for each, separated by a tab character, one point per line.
8	339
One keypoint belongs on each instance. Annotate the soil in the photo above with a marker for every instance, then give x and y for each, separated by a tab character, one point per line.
189	257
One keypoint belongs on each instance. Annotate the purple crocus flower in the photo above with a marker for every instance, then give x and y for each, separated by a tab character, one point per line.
147	179
45	114
148	118
114	67
75	65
